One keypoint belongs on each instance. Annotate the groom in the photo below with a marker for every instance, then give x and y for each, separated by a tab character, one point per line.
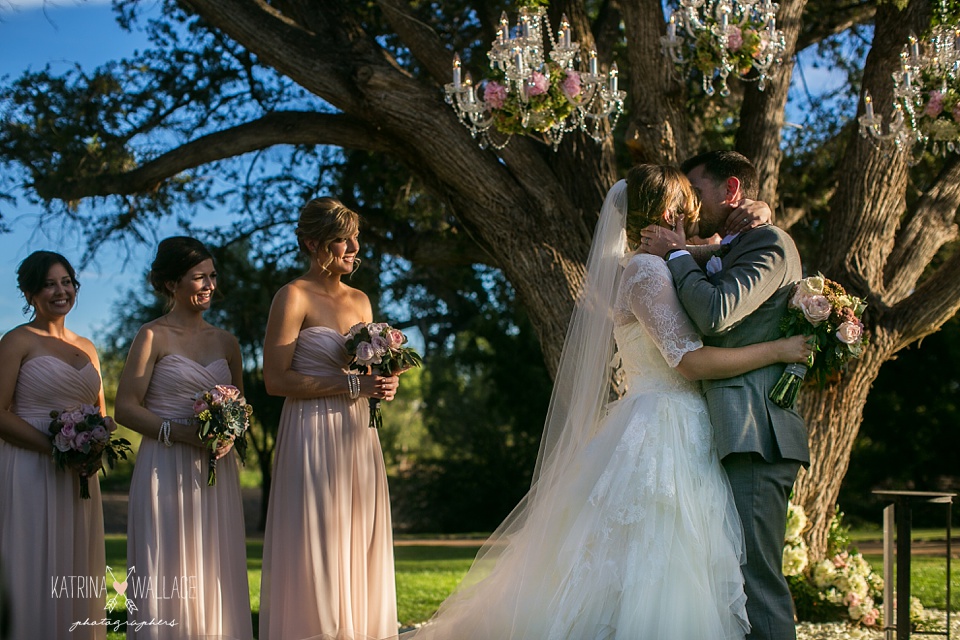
761	445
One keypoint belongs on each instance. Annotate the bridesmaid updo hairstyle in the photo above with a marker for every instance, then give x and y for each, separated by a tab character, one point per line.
32	274
653	189
325	220
175	256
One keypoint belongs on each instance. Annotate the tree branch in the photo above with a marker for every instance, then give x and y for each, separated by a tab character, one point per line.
932	224
832	22
934	302
288	127
311	59
420	39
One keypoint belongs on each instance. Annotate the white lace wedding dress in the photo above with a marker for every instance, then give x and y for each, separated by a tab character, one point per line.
639	539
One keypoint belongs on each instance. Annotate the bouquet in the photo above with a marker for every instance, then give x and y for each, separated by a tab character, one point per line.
378	347
81	439
224	415
820	308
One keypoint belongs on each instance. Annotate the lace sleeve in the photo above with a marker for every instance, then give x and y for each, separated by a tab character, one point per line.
646	291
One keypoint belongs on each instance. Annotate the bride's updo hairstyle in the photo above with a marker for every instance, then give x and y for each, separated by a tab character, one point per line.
32	274
653	189
325	220
175	256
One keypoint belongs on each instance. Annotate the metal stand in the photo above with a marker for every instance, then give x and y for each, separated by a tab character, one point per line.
898	512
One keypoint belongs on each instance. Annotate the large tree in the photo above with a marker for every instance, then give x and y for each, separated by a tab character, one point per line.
233	77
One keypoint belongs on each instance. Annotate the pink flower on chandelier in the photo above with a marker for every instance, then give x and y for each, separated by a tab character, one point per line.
935	105
571	84
495	94
538	84
734	38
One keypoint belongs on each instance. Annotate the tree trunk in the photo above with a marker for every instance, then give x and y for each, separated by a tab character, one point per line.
833	416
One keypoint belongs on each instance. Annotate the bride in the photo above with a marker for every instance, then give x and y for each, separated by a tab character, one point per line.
629	529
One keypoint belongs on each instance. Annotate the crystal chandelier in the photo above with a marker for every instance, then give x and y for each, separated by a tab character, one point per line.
926	93
535	92
724	38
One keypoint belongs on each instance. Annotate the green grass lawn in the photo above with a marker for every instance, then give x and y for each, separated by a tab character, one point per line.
427	574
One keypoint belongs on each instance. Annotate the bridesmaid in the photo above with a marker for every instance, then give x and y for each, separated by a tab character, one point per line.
328	546
183	538
47	533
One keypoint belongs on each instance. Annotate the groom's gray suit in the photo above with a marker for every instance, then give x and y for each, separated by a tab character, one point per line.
761	445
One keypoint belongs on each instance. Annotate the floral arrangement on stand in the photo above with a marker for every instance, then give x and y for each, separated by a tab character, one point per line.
822	309
842	586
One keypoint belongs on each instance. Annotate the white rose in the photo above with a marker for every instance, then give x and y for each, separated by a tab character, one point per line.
812	286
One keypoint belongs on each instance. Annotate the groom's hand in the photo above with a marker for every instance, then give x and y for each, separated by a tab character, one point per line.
657	240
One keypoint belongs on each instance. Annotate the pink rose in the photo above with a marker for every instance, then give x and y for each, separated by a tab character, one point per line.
538	84
494	94
376	328
62	442
356	329
83	439
69	431
228	391
734	38
935	105
815	309
395	338
200	406
850	332
851	600
365	353
72	417
571	84
100	434
109	423
380	345
870	617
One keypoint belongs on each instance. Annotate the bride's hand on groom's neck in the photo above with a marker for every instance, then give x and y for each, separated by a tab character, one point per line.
658	241
746	214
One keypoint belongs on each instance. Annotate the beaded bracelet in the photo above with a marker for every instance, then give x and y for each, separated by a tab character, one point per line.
353	385
164	435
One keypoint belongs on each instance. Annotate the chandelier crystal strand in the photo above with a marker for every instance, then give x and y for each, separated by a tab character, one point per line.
724	38
926	95
534	90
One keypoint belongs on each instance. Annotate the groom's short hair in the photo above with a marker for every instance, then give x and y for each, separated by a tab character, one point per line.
721	165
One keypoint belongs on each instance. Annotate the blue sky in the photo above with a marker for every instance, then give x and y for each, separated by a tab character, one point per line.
33	34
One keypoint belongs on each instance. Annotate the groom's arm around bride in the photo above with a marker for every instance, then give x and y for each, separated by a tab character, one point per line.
761	445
